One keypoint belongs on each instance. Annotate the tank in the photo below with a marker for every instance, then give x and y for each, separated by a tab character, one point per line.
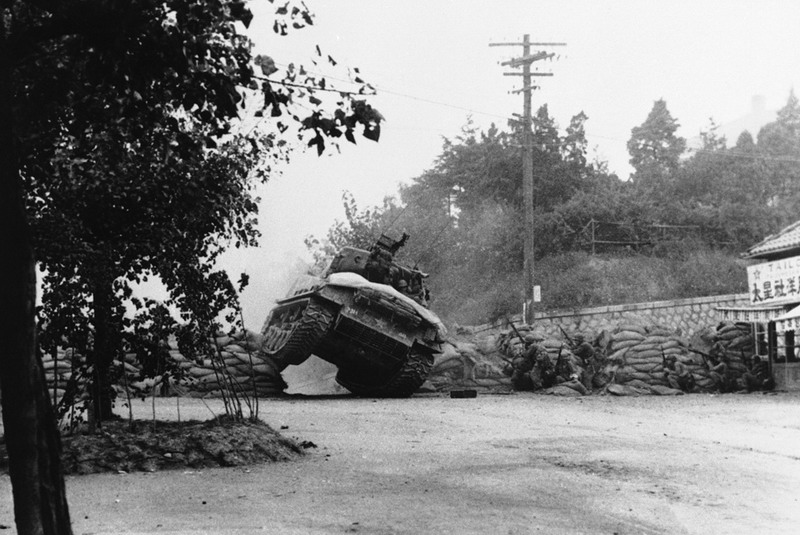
367	315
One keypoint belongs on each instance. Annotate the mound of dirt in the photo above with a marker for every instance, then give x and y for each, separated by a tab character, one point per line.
148	446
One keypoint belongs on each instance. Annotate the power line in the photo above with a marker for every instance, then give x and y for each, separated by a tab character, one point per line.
313	88
381	90
746	155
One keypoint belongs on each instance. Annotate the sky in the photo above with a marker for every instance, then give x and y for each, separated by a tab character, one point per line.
433	69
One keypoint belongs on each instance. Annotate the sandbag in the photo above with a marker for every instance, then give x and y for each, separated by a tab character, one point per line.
638	329
199	372
636	353
446	365
657	339
234	348
623	390
222	341
628	335
665	391
638	383
618	355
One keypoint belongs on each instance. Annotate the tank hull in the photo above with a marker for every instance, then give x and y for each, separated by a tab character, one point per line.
381	342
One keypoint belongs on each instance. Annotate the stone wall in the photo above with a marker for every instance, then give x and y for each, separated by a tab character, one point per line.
682	316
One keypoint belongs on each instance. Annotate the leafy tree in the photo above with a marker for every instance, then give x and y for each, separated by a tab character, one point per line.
361	229
115	106
654	148
741	194
779	143
742	187
701	177
464	214
125	216
710	140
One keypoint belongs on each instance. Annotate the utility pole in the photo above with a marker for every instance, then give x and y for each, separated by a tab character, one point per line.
527	154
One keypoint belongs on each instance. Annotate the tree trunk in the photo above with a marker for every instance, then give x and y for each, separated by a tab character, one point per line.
106	337
32	439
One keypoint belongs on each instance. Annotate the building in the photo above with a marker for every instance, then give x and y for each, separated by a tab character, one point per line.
752	122
774	310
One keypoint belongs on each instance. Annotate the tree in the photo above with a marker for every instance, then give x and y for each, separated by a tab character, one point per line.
85	86
464	214
779	143
361	228
701	177
654	148
121	216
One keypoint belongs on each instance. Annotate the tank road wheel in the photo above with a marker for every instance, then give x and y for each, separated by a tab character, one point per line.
402	385
292	334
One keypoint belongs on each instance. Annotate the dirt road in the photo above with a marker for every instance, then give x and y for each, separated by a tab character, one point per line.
509	464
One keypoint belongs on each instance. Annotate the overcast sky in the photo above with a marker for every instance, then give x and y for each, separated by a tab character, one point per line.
433	68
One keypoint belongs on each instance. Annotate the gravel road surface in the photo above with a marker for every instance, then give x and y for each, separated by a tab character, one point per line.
510	464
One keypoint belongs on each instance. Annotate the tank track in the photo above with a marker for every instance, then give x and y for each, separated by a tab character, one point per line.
402	385
297	343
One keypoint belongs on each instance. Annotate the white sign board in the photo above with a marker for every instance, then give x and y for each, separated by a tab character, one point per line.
774	282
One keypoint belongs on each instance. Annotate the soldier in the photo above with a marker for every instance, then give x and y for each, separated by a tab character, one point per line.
520	374
584	351
757	376
416	290
544	374
718	369
523	364
564	369
535	356
678	375
581	348
402	287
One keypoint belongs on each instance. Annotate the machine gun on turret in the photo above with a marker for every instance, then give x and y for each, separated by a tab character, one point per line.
377	265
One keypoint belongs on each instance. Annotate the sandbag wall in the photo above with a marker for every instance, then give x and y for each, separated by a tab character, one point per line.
243	365
512	345
477	361
471	364
631	354
238	361
738	343
58	369
637	353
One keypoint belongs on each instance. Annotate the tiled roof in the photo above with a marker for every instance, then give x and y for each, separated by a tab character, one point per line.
785	241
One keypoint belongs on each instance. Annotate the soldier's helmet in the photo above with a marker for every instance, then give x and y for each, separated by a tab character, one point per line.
402	284
530	338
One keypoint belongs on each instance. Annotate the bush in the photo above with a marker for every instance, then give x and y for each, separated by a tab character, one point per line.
578	280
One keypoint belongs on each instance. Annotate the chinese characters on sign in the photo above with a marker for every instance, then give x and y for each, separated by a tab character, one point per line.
788	324
752	315
775	282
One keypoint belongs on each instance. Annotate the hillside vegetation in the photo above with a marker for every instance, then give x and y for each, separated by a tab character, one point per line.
675	228
577	280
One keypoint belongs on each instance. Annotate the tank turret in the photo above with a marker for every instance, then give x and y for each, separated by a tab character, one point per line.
378	265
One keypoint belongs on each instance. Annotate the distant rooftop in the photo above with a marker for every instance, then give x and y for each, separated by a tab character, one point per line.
758	117
779	245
